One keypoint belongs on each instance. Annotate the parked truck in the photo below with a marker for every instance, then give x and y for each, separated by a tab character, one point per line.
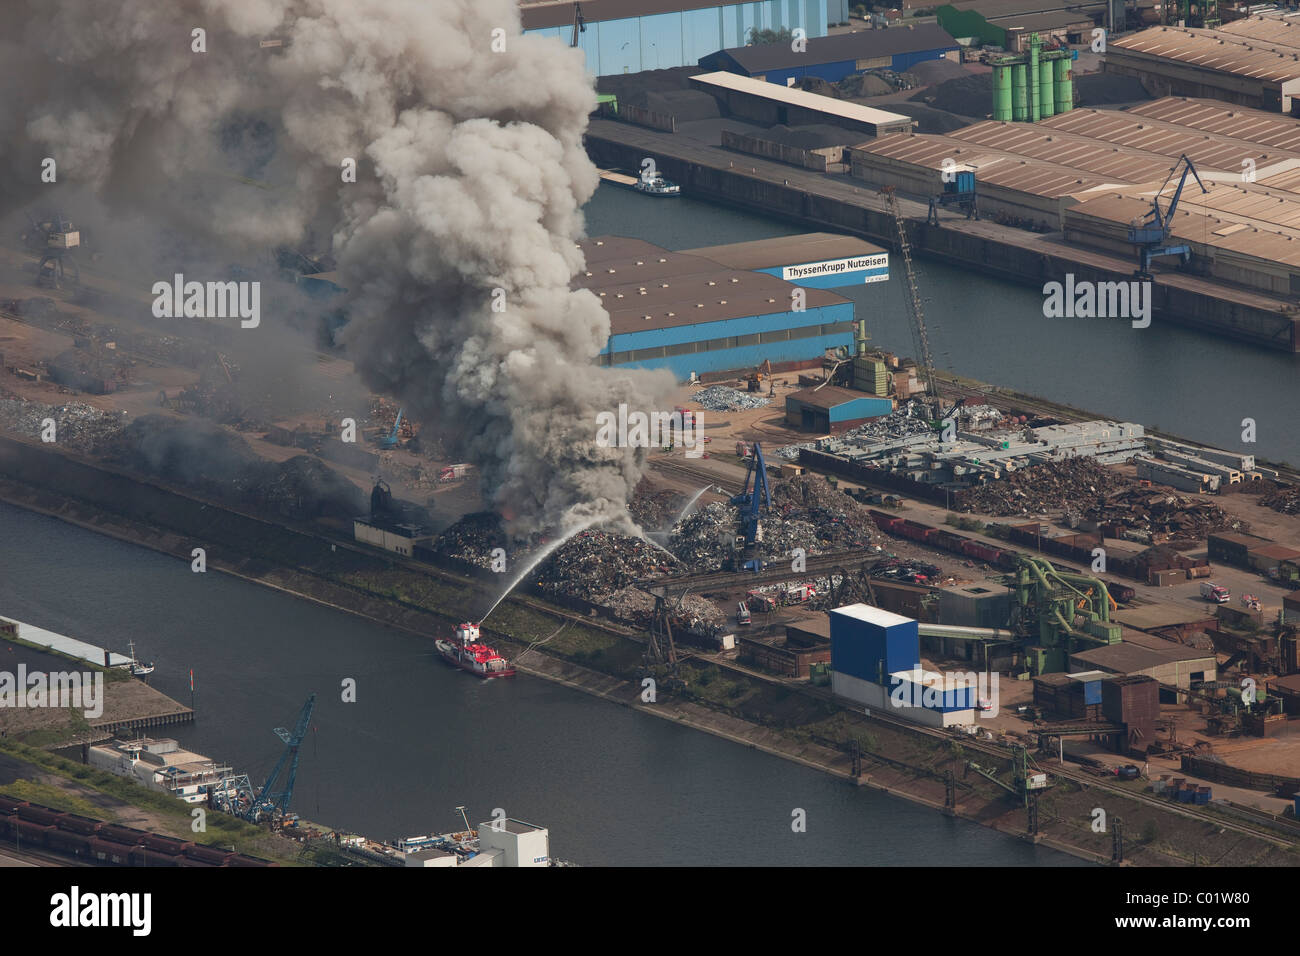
1215	593
454	472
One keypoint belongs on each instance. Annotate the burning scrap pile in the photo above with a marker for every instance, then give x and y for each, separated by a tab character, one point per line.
593	565
655	509
79	427
473	539
1070	484
724	398
1141	509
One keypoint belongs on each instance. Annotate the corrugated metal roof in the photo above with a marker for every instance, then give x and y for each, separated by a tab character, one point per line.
537	14
801	98
1212	116
787	250
1212	50
1127	658
1279	31
636	279
1211	150
1116	163
827	396
859	45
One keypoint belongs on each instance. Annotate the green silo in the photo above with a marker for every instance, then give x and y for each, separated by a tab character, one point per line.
1064	85
1035	83
1002	93
1046	94
1019	94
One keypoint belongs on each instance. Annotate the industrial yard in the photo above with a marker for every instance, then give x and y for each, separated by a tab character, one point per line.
618	352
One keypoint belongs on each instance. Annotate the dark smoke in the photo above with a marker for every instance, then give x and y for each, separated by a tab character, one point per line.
470	178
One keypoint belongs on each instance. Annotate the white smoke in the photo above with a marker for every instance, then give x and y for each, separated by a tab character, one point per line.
470	178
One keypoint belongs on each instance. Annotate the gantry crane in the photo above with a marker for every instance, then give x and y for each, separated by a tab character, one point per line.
749	501
1152	233
912	296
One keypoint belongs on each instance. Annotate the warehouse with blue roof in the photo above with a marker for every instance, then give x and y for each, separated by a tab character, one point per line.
704	315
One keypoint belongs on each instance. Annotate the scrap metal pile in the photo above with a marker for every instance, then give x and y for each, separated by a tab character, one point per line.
1142	510
806	513
473	539
1072	484
1285	498
724	398
900	423
656	509
593	565
79	427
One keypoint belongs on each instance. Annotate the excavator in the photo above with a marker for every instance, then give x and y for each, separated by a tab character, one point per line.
755	381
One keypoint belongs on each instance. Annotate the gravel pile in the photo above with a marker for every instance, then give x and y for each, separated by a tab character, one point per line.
970	95
724	398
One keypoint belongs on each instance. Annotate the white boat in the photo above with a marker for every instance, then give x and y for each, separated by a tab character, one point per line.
138	668
655	185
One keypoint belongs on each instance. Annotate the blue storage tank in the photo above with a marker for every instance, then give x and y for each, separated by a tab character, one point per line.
870	644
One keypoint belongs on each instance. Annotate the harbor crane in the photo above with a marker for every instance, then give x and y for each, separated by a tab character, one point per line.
273	801
749	501
579	23
1151	234
911	295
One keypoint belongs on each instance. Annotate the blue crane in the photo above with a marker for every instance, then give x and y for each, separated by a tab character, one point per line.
1151	235
272	803
749	500
390	441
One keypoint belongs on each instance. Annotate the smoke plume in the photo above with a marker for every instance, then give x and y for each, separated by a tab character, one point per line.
470	178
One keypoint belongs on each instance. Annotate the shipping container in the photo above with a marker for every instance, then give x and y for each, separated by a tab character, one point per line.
42	815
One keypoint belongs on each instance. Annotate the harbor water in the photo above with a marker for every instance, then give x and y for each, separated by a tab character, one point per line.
614	786
1184	382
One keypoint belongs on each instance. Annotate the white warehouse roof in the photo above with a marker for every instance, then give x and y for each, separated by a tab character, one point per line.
872	615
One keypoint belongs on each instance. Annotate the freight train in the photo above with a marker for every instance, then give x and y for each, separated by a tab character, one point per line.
107	844
1005	559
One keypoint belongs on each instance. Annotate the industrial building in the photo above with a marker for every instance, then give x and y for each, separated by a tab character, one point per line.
695	316
829	410
816	260
628	36
769	104
1253	62
1145	655
875	661
834	57
1005	23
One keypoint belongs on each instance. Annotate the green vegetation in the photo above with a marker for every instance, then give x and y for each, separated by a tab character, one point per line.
51	796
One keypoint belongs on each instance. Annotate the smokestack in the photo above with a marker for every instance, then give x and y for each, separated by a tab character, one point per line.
455	237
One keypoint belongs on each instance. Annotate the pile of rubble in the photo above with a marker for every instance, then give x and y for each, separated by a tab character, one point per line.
473	539
655	509
1285	499
696	614
806	513
1141	509
900	423
724	398
77	426
593	565
1068	485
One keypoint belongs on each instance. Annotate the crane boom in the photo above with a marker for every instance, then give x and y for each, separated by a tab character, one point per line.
912	296
273	802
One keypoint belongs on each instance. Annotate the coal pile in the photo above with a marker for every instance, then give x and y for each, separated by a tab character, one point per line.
78	427
593	565
970	95
1071	484
1141	509
930	72
863	85
724	398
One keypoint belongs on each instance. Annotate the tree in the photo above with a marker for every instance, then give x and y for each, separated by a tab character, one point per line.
759	37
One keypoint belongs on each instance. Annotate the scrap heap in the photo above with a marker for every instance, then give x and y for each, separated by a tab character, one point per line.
594	565
806	513
656	509
1066	485
1142	510
79	427
473	539
1284	498
724	398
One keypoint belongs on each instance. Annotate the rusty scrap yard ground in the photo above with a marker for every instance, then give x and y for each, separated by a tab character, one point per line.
27	347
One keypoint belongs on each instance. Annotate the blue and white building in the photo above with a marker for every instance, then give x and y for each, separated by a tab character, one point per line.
628	36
